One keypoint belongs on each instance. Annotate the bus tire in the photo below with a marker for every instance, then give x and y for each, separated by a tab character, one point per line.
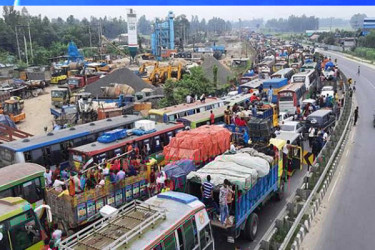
251	227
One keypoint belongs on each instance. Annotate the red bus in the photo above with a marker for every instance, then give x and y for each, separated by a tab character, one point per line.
290	96
100	152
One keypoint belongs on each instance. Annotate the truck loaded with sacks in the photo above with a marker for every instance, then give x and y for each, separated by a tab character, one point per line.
253	176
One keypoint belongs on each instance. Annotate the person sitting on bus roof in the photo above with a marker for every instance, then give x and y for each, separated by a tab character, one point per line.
65	191
82	180
129	148
131	171
77	184
64	174
254	110
101	183
91	182
116	165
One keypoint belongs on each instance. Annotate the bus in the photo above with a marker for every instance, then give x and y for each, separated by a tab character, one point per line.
200	119
309	65
252	86
284	73
290	96
25	180
308	77
171	114
20	227
240	99
170	220
52	148
100	152
279	65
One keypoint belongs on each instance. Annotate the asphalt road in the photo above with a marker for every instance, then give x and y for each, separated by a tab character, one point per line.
349	222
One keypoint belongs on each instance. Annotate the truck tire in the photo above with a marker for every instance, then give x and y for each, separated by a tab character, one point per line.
251	227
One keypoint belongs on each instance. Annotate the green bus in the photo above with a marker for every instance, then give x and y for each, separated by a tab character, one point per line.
25	180
20	227
203	118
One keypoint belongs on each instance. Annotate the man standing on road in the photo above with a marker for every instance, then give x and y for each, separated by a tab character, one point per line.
359	70
356	115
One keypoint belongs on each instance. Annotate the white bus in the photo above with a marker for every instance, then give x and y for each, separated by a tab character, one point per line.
170	220
309	77
284	73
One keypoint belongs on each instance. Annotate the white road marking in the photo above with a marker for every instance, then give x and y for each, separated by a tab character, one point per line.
334	185
347	152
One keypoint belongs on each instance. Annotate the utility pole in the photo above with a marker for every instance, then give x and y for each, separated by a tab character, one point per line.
27	58
31	44
18	44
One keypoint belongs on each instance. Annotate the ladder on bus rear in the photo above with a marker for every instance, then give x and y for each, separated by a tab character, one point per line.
131	222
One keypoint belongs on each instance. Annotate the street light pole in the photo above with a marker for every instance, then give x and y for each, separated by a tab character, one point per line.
31	44
18	44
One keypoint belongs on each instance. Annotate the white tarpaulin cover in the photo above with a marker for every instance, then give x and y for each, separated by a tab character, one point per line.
240	169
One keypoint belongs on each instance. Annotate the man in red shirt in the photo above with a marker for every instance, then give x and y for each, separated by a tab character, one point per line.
212	118
253	98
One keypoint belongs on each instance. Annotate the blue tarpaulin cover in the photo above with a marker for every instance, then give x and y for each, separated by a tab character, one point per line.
179	168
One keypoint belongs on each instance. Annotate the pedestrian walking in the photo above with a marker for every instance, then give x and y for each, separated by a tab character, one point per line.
356	115
270	94
359	70
311	135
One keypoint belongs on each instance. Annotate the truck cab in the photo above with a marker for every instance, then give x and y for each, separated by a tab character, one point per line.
61	96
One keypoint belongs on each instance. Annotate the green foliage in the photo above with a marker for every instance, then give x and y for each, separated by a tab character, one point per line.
196	83
215	74
357	21
293	24
367	53
368	40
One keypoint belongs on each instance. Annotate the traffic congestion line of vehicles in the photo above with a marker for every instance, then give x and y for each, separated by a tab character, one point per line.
190	223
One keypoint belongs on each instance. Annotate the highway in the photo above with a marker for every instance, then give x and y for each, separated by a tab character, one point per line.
349	221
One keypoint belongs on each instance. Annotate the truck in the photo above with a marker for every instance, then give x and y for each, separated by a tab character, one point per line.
61	96
79	81
74	211
251	190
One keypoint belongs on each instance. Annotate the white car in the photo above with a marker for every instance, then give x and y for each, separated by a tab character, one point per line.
291	126
284	116
327	90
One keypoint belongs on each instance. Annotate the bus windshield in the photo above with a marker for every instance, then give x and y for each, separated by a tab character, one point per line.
24	231
57	93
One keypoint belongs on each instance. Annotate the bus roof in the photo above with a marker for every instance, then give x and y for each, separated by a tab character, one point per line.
183	106
292	87
283	71
204	115
231	100
78	131
166	211
252	84
304	73
10	204
19	172
95	148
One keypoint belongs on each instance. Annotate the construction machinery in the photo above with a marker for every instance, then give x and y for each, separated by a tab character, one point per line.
148	56
142	71
61	96
13	109
59	74
161	74
79	81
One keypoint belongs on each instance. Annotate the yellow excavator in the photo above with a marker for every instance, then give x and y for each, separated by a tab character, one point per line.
13	109
161	74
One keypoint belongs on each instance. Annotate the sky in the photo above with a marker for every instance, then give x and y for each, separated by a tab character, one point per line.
232	13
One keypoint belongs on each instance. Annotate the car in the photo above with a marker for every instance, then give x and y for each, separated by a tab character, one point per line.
285	116
327	90
292	126
323	118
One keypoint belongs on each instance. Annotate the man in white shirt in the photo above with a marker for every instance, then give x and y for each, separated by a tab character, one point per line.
188	99
325	137
285	154
311	135
48	177
57	185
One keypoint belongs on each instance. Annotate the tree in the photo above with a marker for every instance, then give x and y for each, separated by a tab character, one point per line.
357	21
144	26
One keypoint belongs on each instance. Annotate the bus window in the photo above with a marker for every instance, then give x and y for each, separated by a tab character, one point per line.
158	247
27	156
202	109
190	237
6	193
170	135
170	242
4	242
147	143
37	156
157	143
32	191
172	118
205	237
118	151
21	235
